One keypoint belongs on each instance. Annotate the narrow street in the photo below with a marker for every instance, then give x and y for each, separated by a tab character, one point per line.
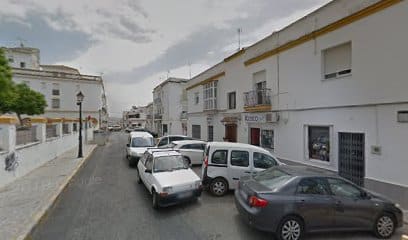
104	201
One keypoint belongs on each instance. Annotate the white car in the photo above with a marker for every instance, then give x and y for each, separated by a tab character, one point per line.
168	177
138	143
165	140
192	150
226	162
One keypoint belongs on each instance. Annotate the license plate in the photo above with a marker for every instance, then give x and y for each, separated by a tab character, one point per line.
185	194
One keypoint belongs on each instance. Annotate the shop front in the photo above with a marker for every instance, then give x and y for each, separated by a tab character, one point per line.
260	131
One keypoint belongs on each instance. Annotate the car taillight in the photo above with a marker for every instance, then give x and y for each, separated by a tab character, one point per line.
206	161
255	201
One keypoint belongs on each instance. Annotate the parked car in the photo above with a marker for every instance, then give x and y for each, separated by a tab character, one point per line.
226	162
165	140
114	128
290	201
137	144
192	150
168	177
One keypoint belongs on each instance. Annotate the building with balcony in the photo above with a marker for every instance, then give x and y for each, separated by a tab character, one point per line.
329	91
168	104
59	84
136	117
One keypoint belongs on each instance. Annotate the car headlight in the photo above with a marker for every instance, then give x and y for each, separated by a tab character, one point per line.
167	189
397	205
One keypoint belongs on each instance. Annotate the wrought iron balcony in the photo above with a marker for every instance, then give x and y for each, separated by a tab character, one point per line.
258	98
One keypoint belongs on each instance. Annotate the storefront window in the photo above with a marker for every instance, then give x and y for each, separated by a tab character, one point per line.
267	139
319	143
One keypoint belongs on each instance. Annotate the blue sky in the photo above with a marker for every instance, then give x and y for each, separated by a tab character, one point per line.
134	43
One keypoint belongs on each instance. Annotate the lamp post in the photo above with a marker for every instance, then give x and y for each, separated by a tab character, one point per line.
80	98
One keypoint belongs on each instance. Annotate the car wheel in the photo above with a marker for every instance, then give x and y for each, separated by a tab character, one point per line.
139	180
384	226
291	228
155	199
218	187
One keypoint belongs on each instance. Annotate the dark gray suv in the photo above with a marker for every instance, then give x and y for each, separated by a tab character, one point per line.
290	201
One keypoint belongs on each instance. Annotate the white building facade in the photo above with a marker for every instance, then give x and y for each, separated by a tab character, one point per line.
170	107
328	90
59	85
136	117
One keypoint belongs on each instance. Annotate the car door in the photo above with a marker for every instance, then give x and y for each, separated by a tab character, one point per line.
148	177
194	152
238	166
353	209
262	161
314	203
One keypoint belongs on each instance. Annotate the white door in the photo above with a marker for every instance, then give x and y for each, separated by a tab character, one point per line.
238	166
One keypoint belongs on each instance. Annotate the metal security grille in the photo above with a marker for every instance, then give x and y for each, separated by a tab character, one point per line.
26	135
351	157
210	133
51	131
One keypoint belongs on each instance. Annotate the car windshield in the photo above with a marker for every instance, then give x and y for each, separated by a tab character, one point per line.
169	163
142	142
272	178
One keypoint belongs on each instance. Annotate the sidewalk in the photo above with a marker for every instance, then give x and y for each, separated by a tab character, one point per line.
24	201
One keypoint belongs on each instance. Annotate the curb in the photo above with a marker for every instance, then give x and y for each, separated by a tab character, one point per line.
41	215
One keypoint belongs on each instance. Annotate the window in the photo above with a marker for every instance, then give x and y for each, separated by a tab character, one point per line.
22	64
240	158
263	161
55	89
210	133
65	128
319	143
232	100
165	129
267	139
402	116
219	157
163	141
55	103
137	115
196	98
210	95
11	60
196	131
316	186
342	188
75	127
337	61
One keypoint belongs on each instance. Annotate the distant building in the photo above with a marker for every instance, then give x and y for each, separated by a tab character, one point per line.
169	107
149	117
135	118
59	84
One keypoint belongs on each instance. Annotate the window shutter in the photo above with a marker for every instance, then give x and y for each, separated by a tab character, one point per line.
337	59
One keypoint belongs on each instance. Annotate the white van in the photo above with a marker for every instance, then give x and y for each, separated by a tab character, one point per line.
226	162
138	143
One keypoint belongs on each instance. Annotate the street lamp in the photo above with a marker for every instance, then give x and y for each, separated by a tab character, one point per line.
80	98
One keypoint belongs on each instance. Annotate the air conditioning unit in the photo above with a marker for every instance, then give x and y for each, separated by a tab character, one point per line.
272	117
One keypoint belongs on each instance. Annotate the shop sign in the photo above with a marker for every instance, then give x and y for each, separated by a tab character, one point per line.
255	118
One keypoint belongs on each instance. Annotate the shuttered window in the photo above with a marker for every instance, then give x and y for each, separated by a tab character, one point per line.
337	61
196	131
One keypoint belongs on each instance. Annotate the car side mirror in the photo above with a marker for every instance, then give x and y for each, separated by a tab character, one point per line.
127	145
148	171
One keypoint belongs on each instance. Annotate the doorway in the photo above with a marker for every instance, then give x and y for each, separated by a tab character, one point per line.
351	157
230	133
255	136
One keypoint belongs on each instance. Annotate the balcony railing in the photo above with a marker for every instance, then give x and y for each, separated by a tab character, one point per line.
255	98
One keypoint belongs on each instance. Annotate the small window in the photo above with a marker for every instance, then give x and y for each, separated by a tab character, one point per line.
75	127
22	64
219	157
337	61
267	139
342	188
231	100
55	92
11	60
163	141
240	158
263	161
313	186
55	103
196	98
402	116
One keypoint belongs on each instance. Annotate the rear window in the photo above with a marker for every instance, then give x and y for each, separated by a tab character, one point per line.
272	178
219	157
